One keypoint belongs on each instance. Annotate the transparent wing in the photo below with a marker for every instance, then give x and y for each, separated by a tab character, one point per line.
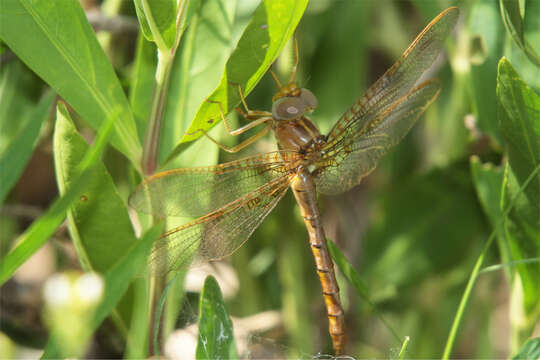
220	233
399	79
346	162
197	191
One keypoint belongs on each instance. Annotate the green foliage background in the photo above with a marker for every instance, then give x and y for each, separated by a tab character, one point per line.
441	243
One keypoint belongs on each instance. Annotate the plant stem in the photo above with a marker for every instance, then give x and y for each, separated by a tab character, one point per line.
159	97
474	274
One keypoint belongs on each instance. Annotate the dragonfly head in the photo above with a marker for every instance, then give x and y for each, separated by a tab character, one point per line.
292	102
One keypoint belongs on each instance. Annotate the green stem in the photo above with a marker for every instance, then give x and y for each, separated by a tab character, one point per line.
401	355
159	97
474	274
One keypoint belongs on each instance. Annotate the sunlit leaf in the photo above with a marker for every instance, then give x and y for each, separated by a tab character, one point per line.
215	339
272	24
197	69
98	221
158	20
55	40
529	351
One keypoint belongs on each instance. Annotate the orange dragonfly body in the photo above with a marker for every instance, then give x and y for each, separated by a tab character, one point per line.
233	198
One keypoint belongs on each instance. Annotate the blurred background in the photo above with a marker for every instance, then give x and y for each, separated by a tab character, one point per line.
412	229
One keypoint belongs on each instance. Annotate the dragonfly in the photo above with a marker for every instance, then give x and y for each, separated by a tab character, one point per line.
230	200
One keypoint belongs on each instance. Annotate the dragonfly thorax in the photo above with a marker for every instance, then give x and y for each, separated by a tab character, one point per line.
299	135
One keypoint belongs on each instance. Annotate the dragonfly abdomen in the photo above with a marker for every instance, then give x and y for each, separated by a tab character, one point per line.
305	194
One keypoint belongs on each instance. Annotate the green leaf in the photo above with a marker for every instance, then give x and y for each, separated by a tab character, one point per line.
158	21
348	270
98	221
137	338
529	351
13	159
531	30
215	340
196	69
486	30
56	41
517	25
272	24
520	126
41	230
18	95
488	181
117	280
511	15
143	80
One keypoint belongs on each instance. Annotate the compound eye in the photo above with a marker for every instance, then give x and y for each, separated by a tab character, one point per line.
288	108
309	99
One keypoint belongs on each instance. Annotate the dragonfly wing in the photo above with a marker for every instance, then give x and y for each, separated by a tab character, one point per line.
347	161
197	191
220	233
401	77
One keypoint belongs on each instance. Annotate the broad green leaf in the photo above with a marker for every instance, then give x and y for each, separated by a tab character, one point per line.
143	80
272	24
488	182
486	31
13	159
98	222
158	21
520	126
196	69
531	30
117	280
40	231
55	40
529	351
215	339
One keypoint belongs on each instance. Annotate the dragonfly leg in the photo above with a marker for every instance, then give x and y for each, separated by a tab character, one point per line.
240	146
295	66
249	114
256	117
293	70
